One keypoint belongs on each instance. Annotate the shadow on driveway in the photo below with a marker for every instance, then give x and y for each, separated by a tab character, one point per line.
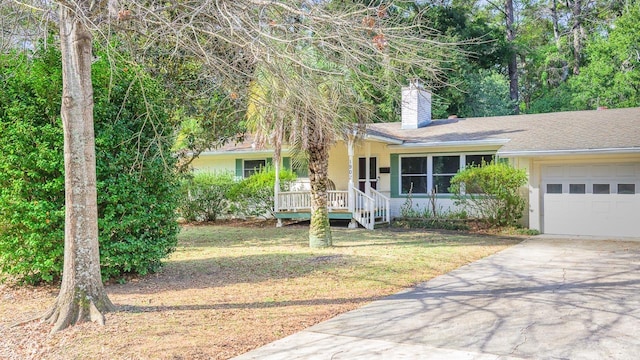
542	299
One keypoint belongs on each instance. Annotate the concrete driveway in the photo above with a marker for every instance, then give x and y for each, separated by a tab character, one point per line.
545	298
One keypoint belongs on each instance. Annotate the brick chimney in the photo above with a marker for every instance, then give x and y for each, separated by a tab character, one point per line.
416	106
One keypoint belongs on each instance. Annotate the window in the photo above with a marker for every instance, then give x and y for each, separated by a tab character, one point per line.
444	168
421	174
601	189
252	166
301	169
413	173
627	189
299	166
554	188
577	189
478	159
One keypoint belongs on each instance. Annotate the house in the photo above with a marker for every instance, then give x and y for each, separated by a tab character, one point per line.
583	167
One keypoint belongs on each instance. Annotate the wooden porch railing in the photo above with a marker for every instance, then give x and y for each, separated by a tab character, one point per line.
381	206
293	201
363	209
301	200
338	200
366	208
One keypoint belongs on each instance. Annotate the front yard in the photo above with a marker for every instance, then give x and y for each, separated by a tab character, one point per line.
228	289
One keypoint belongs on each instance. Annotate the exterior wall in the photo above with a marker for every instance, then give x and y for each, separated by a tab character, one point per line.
214	164
443	204
339	166
226	162
339	163
531	193
339	171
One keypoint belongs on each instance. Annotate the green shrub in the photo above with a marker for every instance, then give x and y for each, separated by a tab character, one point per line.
431	223
204	196
491	192
31	168
254	196
136	183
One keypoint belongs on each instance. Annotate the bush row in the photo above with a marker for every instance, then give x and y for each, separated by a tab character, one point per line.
208	196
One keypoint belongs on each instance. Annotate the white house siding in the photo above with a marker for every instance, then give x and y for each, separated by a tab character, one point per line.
206	163
443	204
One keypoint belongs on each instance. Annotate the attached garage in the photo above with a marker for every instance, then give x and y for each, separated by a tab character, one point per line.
599	199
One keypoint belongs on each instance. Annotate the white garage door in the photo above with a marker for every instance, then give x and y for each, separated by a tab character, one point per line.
595	199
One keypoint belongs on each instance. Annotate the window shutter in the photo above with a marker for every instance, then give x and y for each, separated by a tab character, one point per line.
268	161
239	168
286	163
395	175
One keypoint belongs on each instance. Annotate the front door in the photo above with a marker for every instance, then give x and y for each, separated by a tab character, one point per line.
371	175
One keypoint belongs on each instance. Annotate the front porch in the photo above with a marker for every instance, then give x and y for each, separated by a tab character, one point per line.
366	209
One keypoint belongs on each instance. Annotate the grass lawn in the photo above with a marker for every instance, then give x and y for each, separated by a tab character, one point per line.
229	289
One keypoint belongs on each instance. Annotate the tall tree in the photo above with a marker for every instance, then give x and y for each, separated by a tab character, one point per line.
513	57
314	85
82	295
311	113
229	39
611	77
578	32
507	11
556	24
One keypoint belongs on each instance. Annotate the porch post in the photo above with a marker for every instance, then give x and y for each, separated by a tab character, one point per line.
367	183
276	186
351	198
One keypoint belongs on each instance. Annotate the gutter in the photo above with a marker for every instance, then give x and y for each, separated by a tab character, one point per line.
435	144
605	151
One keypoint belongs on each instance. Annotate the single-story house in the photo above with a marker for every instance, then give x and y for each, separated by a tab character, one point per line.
583	167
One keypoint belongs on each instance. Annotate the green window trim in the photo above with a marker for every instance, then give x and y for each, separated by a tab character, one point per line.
301	172
240	165
395	173
239	168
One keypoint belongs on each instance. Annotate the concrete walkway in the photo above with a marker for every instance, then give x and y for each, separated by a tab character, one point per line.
542	299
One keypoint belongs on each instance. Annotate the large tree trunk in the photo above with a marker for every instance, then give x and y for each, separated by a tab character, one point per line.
513	60
556	26
319	229
82	295
578	33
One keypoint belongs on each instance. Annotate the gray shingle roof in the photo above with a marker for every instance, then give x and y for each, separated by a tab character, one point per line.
563	131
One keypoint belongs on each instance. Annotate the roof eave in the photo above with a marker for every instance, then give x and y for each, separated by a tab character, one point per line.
243	151
384	139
